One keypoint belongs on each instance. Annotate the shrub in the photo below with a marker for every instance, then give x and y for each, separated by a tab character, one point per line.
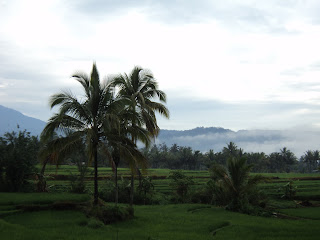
107	193
95	223
77	183
110	214
145	190
181	184
233	186
65	205
289	190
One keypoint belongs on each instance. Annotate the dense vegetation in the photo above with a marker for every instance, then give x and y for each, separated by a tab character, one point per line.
179	157
18	157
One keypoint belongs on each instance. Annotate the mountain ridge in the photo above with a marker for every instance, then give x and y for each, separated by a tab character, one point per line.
13	120
199	138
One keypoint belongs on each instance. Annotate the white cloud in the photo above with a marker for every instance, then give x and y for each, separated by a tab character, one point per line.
237	53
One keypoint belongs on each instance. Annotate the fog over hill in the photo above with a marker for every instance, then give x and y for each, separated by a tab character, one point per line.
298	140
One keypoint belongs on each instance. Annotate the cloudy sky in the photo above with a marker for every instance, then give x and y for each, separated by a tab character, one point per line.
235	64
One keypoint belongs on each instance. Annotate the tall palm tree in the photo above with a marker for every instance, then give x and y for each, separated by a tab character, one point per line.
91	119
128	150
142	89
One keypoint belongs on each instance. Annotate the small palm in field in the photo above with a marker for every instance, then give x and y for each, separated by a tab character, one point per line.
233	185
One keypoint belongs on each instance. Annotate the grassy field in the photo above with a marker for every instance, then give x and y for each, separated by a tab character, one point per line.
180	221
306	189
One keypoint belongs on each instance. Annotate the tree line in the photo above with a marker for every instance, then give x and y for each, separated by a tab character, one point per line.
180	157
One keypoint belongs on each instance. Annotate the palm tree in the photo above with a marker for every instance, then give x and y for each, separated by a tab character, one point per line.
128	150
233	183
232	150
142	89
287	158
91	119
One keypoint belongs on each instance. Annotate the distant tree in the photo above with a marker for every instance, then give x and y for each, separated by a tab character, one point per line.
260	161
311	158
232	150
288	159
282	161
174	148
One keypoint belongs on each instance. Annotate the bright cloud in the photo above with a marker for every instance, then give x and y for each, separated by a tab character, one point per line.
253	64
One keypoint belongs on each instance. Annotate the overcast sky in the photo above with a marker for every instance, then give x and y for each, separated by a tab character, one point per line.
234	64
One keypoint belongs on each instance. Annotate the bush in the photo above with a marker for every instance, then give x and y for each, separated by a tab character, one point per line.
233	187
110	214
95	223
78	184
289	190
65	205
181	183
145	191
202	195
107	193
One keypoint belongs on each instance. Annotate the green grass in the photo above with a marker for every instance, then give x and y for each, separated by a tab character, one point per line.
39	198
178	222
306	189
309	213
161	222
104	171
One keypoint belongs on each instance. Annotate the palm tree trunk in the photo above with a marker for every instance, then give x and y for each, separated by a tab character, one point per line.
116	183
95	195
139	175
132	189
42	184
44	166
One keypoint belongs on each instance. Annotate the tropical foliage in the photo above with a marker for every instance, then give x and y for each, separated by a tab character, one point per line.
111	117
182	157
233	185
141	89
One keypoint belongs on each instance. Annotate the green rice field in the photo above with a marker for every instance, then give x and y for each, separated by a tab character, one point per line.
290	220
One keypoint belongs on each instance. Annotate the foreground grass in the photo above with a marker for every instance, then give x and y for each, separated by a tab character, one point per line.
176	222
309	213
39	198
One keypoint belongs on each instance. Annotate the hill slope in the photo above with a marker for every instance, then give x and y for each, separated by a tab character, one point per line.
10	119
297	140
214	138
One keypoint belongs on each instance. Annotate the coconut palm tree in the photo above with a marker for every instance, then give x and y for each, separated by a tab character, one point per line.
142	89
91	119
233	183
128	150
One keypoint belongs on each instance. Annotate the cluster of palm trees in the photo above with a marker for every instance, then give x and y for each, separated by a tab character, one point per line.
111	117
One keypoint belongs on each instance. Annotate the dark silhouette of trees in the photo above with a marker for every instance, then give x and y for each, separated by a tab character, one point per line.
233	185
18	157
311	159
142	90
178	157
91	120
